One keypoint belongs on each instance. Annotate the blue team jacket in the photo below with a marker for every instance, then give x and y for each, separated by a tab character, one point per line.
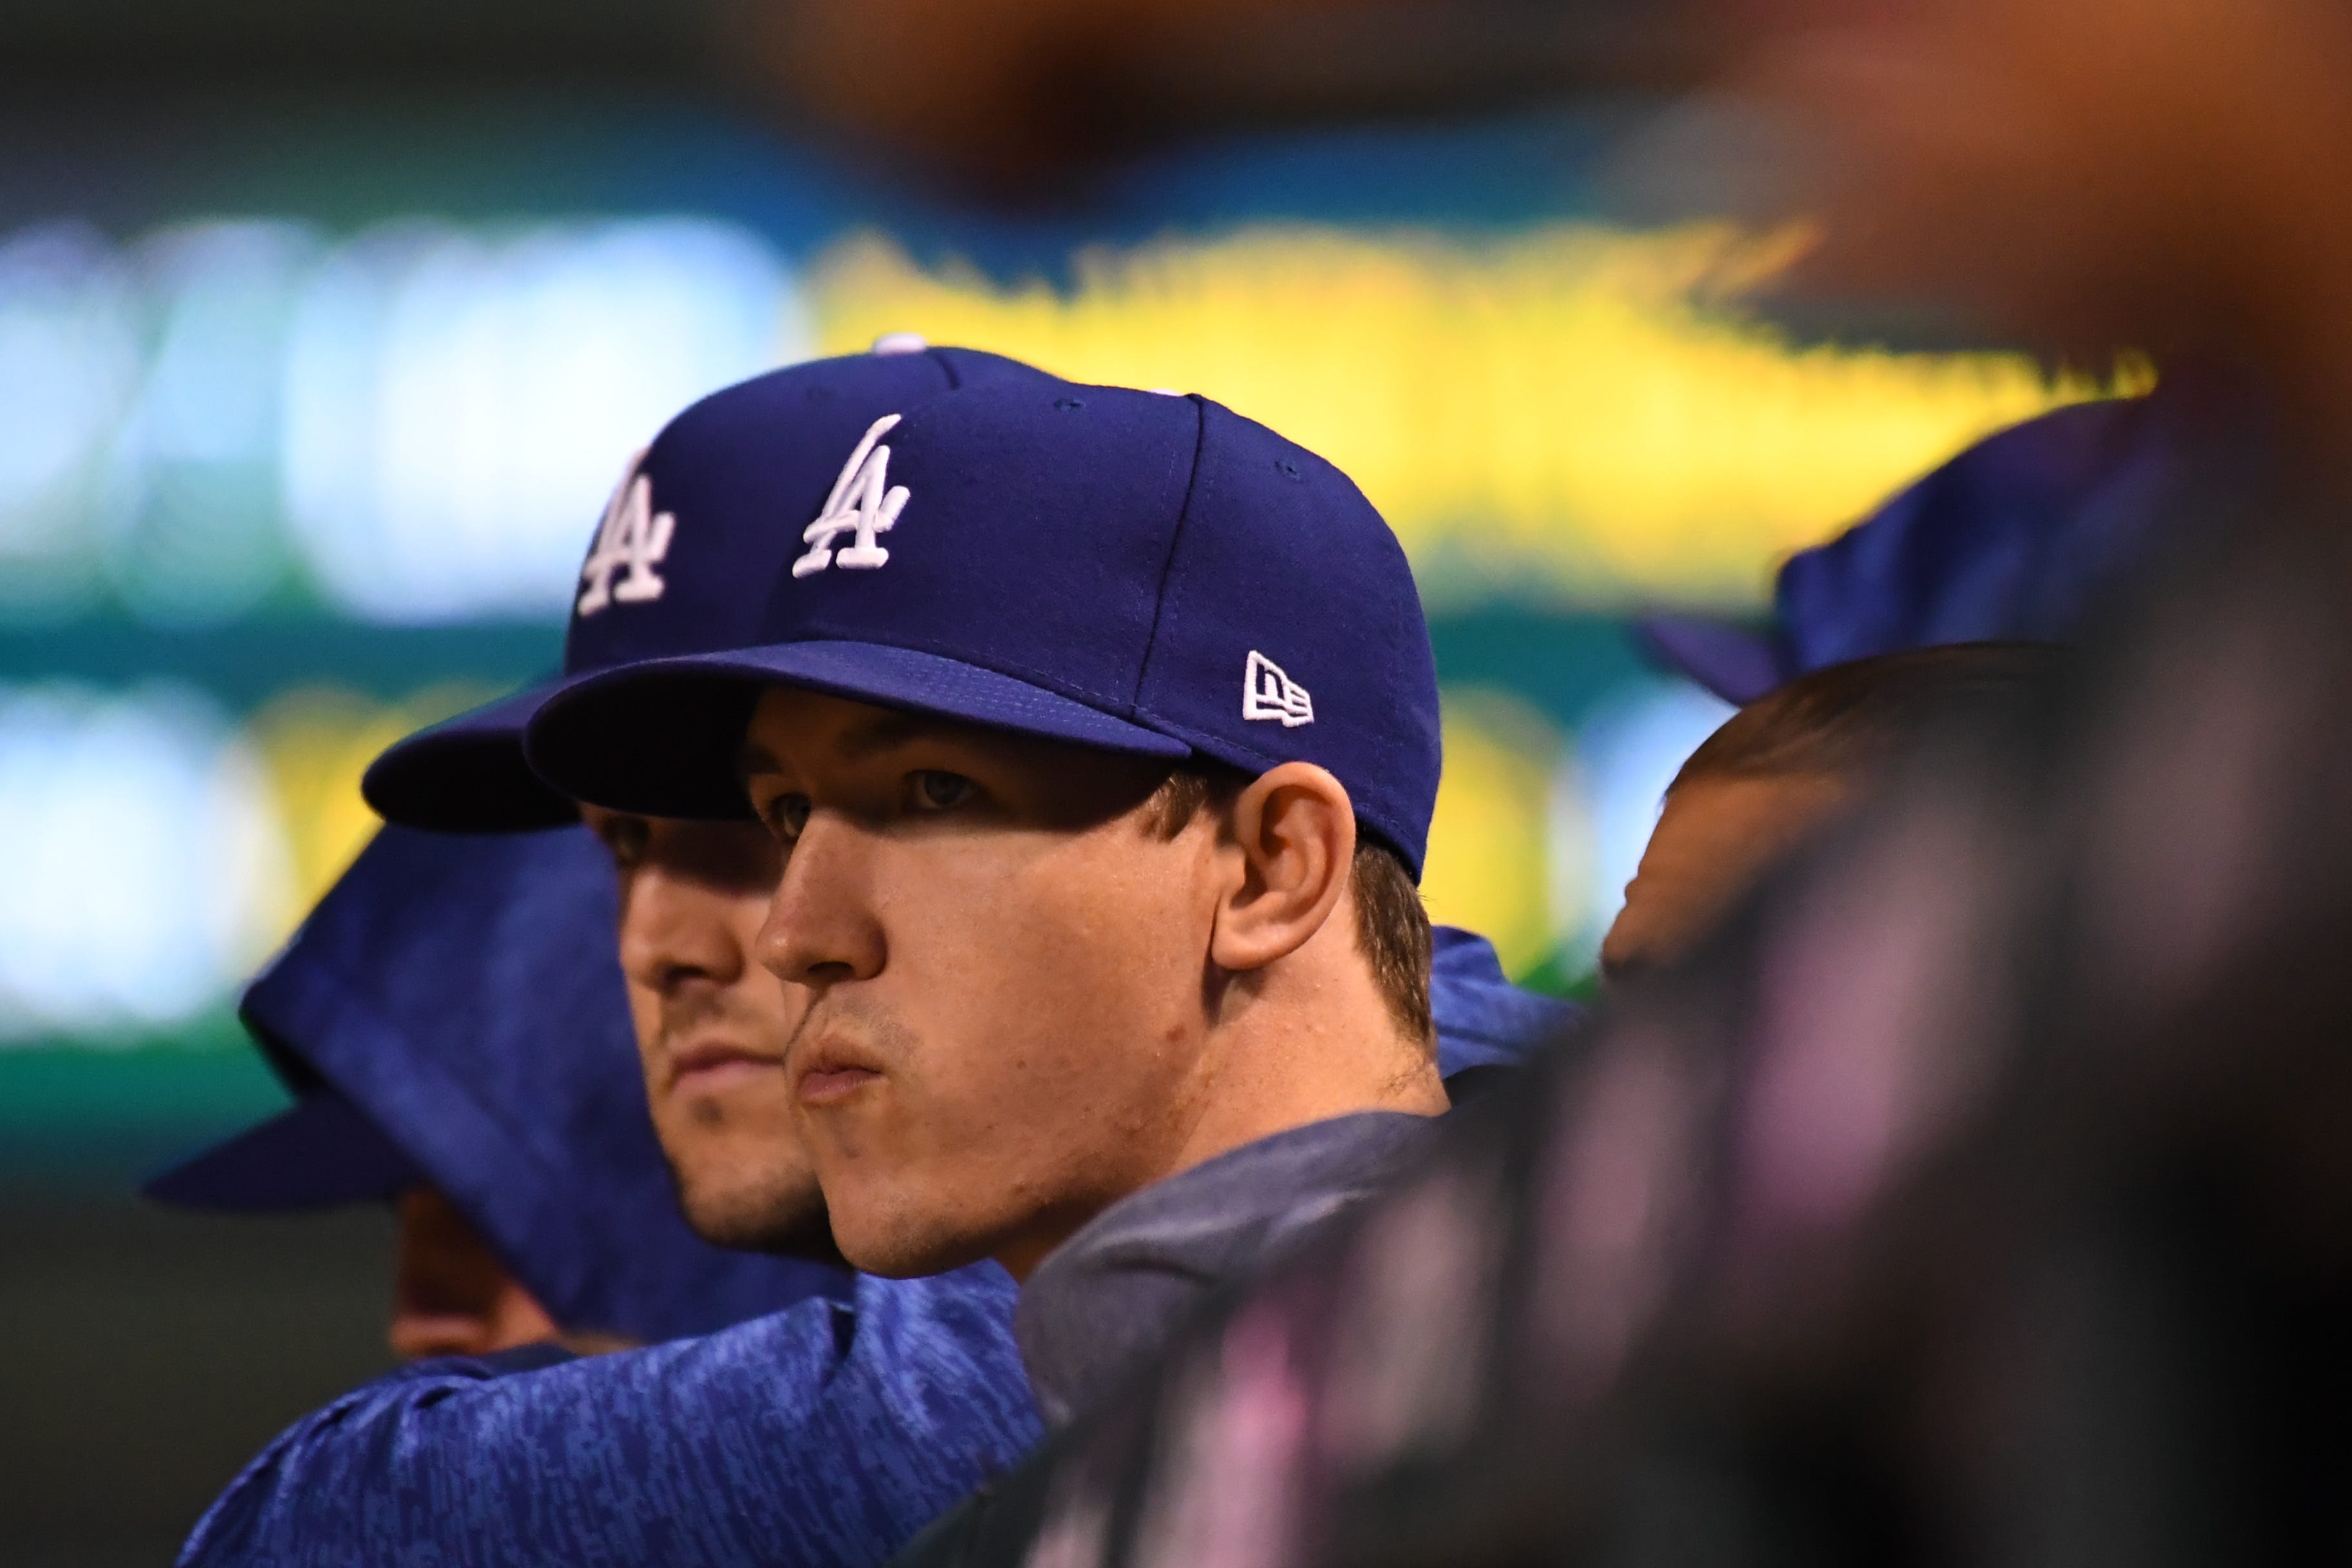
827	1434
820	1436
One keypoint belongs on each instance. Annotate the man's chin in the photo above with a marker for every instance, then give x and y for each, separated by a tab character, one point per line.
901	1252
792	1225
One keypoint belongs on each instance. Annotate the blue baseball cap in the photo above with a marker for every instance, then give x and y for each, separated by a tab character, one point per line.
2014	539
1136	572
651	588
323	1152
1483	1020
452	1016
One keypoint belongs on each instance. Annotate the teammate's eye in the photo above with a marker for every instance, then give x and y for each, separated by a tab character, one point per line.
625	840
787	817
936	789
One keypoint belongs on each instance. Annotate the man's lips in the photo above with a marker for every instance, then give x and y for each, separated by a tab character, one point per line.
831	1073
716	1065
828	1085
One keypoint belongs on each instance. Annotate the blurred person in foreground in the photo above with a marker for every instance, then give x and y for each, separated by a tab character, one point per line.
533	1205
1975	1192
1956	589
1100	791
1785	768
1979	1193
806	1436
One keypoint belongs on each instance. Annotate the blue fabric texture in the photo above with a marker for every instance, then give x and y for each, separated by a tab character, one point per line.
1483	1020
1140	572
2014	538
463	994
824	1434
820	1436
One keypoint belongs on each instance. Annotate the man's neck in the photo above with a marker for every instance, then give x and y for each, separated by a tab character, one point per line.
1306	1039
1282	1061
1300	1042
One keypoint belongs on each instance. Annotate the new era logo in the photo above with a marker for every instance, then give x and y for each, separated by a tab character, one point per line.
631	541
1269	693
863	503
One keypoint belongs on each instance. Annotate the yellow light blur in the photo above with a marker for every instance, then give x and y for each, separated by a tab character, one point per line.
1489	852
315	742
1574	413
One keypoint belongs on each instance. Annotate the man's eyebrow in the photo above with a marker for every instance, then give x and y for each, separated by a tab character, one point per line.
751	760
883	733
887	731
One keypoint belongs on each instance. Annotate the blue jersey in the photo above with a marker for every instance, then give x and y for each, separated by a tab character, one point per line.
823	1435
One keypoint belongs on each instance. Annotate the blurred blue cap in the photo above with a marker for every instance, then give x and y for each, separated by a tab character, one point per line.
453	1014
320	1153
2014	539
649	589
1128	571
1483	1020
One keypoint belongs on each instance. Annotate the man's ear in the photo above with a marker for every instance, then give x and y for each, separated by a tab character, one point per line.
1294	831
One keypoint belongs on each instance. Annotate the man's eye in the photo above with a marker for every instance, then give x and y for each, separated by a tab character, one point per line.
787	816
937	790
625	838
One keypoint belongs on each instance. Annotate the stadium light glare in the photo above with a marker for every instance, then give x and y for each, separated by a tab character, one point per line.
1577	414
457	403
193	533
1629	752
147	873
69	362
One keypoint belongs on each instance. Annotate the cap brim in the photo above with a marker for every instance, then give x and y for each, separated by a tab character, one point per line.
468	774
321	1153
1737	664
663	737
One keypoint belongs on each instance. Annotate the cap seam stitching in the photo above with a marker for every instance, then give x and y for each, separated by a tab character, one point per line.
1175	538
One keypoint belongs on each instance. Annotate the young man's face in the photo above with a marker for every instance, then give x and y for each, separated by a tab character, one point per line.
1716	837
1002	962
450	1294
712	1026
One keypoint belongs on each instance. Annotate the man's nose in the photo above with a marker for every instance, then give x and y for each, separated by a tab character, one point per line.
822	927
674	929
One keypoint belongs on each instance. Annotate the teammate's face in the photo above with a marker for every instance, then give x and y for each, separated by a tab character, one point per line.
712	1026
1003	971
1715	840
450	1295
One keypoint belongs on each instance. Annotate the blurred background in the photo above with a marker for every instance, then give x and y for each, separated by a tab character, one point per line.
324	329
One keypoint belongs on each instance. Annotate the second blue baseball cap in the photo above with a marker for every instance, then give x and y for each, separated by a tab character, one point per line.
2014	539
1482	1019
650	587
452	1016
1130	571
321	1152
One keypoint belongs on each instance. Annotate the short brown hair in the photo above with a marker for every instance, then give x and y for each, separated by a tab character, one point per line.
1859	715
1391	925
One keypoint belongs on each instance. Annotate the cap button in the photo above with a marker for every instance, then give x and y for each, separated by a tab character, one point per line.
900	343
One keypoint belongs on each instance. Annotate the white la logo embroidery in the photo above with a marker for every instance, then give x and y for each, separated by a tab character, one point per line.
632	539
1269	693
863	502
